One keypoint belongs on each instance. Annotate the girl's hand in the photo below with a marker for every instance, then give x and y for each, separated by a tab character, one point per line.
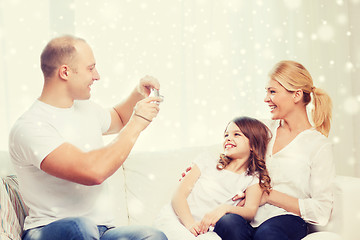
211	218
195	229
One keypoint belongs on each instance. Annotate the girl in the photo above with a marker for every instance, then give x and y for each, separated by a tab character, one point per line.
205	194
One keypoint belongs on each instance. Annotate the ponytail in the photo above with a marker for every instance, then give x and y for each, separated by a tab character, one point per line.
321	114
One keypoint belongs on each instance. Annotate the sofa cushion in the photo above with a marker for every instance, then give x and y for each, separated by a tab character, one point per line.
118	197
152	177
12	187
323	236
10	227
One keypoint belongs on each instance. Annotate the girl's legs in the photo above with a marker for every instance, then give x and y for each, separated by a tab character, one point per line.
284	227
233	227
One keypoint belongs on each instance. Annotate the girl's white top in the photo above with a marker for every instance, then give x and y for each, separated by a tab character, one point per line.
215	187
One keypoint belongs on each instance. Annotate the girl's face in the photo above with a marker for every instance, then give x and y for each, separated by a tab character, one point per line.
280	101
236	145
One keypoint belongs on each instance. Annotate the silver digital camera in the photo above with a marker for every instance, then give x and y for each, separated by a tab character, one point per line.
155	93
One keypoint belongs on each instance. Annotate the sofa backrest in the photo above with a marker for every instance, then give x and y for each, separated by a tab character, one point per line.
152	177
6	167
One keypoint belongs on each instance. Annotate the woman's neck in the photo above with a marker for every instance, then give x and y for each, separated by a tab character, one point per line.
297	122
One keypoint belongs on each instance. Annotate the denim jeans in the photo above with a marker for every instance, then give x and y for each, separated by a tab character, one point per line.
84	229
283	227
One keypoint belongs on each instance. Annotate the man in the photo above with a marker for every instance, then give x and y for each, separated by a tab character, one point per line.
58	153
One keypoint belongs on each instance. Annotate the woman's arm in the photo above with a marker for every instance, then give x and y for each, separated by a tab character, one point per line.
248	211
317	207
179	200
281	200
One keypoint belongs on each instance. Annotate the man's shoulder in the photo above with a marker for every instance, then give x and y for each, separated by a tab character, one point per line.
32	119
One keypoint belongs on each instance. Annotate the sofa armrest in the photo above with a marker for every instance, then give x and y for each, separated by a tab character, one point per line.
323	236
345	217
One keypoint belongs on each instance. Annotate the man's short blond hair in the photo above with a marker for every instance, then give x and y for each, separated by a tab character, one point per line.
58	51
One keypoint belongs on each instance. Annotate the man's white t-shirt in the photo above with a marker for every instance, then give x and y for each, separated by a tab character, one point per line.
37	133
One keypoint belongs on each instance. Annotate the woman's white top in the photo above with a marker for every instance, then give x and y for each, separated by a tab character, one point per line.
303	169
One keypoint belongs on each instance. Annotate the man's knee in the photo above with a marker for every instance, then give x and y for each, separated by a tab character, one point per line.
75	228
157	235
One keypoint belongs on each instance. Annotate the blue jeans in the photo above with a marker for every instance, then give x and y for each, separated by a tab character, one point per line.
284	227
84	229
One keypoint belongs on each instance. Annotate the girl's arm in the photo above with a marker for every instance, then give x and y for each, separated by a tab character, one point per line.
179	200
253	197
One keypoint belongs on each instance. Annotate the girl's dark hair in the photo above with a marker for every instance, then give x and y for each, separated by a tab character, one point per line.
259	136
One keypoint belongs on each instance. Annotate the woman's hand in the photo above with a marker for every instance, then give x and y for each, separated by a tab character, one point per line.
264	198
241	197
211	218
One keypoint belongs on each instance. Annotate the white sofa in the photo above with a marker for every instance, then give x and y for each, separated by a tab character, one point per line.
147	180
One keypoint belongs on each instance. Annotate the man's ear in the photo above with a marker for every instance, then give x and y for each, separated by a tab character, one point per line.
64	72
298	95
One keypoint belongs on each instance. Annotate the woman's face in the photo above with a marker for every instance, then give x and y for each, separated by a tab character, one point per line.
280	101
236	144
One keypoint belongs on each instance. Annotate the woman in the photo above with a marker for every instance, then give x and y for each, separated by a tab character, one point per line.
205	194
299	160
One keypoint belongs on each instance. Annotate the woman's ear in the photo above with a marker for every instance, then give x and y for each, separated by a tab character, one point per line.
298	95
64	72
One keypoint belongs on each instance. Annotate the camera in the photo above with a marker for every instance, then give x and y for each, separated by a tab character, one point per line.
155	93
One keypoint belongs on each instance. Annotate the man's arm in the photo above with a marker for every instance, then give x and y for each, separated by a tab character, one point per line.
122	112
93	167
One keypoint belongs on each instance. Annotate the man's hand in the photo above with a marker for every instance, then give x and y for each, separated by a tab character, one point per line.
145	111
211	218
146	84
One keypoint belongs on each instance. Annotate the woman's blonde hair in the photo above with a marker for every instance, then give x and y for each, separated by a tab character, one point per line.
294	76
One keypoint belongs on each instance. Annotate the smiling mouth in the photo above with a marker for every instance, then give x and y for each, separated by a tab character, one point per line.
272	107
229	146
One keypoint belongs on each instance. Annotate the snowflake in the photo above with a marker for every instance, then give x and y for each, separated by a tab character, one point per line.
351	106
292	4
326	32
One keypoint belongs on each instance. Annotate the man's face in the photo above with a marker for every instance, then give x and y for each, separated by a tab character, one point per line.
83	72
